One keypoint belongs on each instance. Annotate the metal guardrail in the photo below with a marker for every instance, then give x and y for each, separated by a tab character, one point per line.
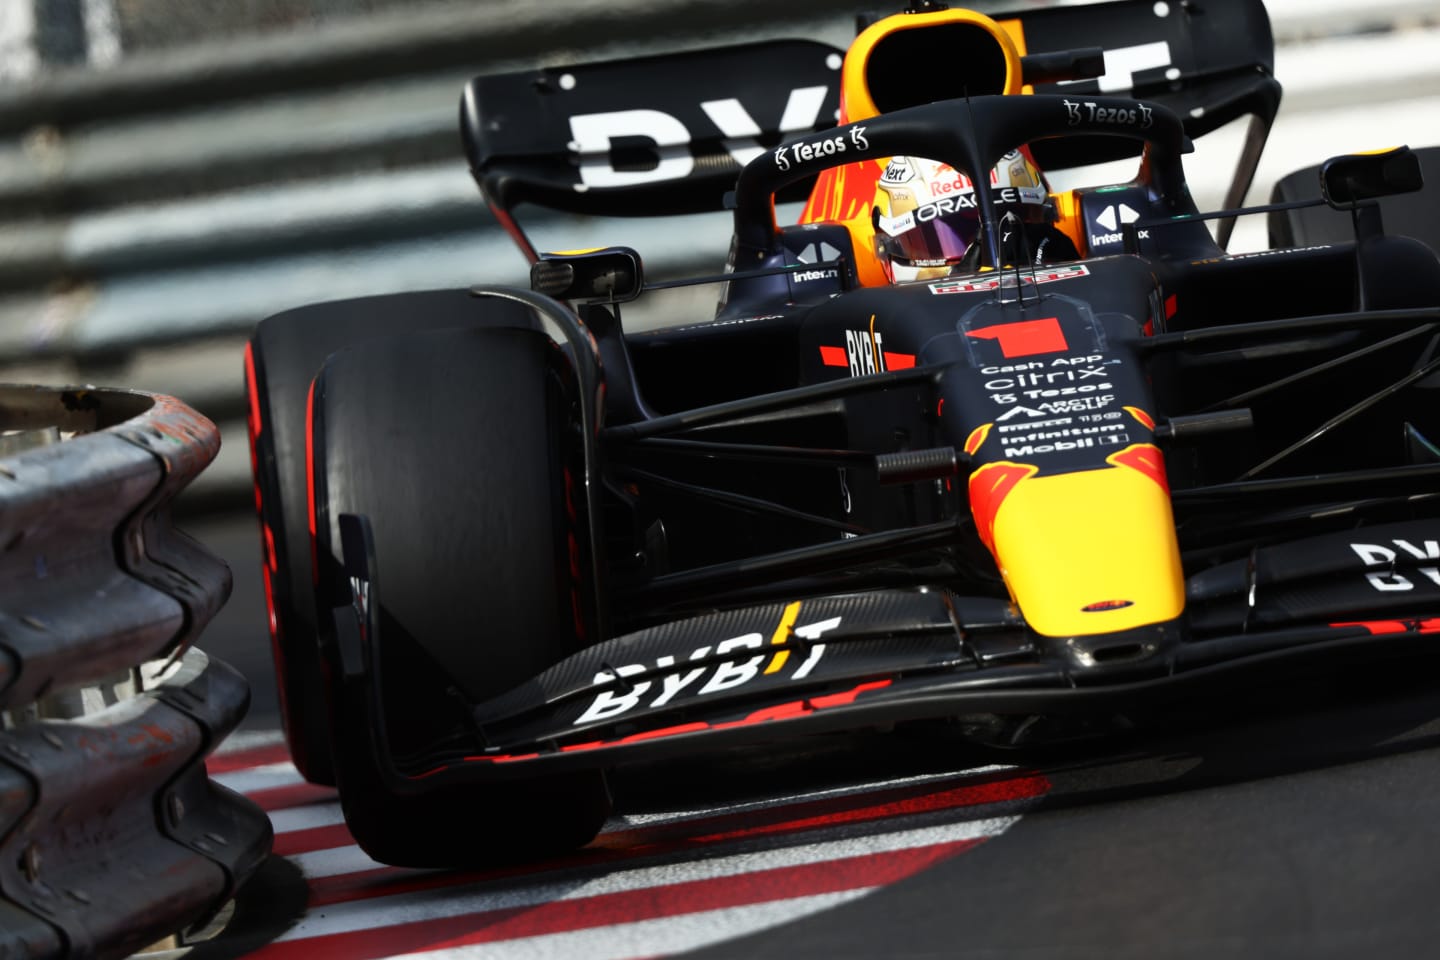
178	197
111	836
186	195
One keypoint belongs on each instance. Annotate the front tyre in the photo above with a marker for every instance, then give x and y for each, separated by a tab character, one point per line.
280	363
462	449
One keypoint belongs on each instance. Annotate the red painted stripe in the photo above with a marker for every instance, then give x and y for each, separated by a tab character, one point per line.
311	839
292	795
777	712
1379	627
1144	458
630	906
244	759
899	361
1145	420
670	838
989	486
977	438
834	357
1375	627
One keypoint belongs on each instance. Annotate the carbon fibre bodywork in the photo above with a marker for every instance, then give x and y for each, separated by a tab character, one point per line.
1056	489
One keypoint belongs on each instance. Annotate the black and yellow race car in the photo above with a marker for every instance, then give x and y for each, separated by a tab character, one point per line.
955	445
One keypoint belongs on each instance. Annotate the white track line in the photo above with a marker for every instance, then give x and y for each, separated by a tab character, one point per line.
264	777
334	862
249	740
306	818
328	814
627	821
348	858
283	774
646	938
388	911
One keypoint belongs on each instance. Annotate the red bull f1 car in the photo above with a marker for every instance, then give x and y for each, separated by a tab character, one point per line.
954	445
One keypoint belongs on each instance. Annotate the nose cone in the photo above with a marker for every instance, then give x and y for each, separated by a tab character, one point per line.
1087	552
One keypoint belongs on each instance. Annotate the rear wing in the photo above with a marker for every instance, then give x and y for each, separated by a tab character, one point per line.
668	134
1211	63
651	136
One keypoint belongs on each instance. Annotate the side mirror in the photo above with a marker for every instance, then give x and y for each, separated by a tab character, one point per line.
1349	180
611	274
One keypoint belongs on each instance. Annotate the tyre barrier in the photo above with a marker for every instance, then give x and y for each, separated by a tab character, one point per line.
111	835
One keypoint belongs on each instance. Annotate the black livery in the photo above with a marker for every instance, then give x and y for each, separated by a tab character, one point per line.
510	544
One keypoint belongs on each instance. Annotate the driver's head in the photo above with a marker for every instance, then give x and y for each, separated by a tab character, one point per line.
927	221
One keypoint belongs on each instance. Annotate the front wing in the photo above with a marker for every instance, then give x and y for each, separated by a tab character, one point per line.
781	670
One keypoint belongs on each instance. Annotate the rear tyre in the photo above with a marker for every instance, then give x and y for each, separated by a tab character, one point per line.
462	449
283	356
1414	215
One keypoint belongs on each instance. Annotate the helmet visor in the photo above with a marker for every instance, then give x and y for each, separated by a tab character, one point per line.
933	240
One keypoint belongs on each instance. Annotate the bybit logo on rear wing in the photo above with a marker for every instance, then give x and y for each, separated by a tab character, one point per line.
594	135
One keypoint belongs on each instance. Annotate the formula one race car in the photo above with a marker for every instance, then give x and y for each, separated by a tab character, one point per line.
954	446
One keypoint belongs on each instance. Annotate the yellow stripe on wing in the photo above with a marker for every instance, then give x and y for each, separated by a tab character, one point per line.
782	633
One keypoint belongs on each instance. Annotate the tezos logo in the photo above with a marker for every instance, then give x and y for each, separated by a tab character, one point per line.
1138	115
817	149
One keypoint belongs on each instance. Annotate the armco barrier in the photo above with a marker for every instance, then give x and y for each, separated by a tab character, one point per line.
111	836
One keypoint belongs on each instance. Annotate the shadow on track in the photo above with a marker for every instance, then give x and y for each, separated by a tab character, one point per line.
1293	817
267	906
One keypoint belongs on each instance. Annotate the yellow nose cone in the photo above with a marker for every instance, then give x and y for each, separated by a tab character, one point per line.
1087	552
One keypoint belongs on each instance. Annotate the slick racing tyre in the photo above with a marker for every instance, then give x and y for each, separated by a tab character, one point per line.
1414	215
282	357
462	451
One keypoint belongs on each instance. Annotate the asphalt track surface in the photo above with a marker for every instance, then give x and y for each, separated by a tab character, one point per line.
1301	822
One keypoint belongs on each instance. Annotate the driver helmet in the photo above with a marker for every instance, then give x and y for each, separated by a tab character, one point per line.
927	220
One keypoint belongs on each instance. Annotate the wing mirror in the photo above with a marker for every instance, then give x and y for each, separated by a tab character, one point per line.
1352	179
611	274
